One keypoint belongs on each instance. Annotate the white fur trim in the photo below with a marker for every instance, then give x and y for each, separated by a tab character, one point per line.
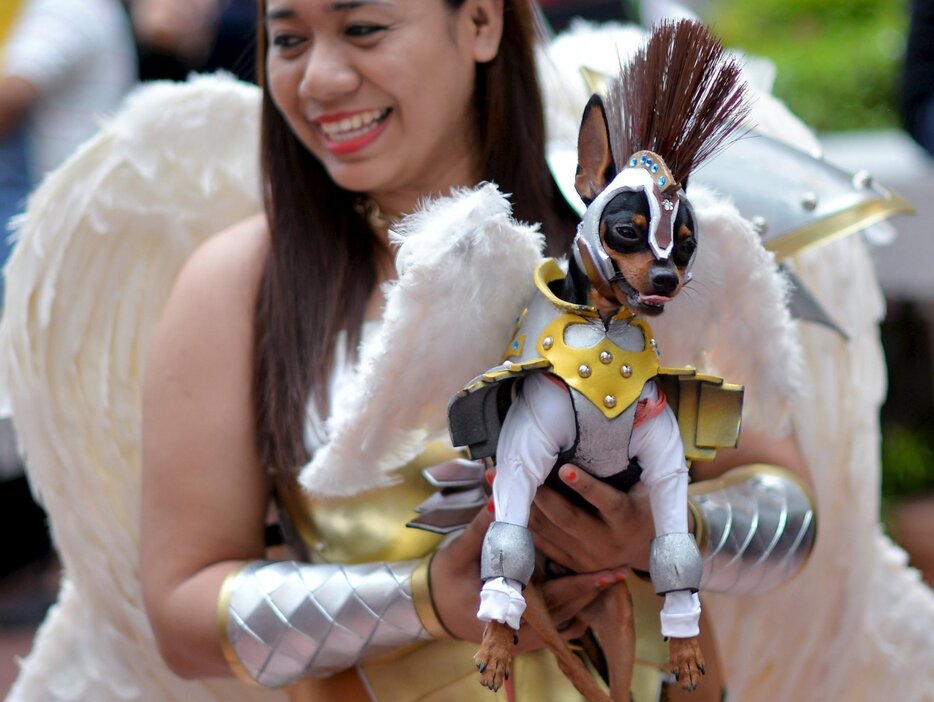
465	272
732	319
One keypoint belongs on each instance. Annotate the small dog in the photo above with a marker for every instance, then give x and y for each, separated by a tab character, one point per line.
587	360
642	282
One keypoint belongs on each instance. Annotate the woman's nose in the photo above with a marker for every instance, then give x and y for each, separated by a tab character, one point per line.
328	73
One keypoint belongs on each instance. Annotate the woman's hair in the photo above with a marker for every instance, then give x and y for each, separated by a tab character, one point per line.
324	258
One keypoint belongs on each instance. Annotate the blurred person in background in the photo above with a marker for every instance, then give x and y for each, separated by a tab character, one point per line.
176	37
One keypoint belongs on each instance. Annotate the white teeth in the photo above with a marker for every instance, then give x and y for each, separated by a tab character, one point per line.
353	127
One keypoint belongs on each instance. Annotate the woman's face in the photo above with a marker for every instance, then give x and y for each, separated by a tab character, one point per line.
380	90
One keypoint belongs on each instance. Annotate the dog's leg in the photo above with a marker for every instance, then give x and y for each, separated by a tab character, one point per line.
612	622
538	618
710	688
685	661
495	654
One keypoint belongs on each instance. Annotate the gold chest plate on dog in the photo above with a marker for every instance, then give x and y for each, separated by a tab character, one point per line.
608	375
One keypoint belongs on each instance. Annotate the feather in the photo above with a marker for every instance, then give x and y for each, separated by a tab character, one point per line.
102	242
460	258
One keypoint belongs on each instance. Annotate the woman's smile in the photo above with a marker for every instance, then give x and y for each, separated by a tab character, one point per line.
347	132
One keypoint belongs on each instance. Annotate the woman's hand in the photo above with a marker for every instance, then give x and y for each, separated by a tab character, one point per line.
617	535
455	585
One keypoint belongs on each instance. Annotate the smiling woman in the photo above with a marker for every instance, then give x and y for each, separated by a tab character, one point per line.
346	78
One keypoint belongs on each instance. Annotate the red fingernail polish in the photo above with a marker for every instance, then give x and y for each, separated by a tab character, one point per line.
620	577
570	475
489	506
489	477
603	582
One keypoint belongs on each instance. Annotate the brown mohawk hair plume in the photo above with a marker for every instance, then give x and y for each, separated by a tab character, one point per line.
679	96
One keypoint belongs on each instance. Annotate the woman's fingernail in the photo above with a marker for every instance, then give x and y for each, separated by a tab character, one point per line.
489	506
619	577
603	581
568	475
489	477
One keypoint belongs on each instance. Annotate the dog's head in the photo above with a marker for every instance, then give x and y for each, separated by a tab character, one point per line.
638	236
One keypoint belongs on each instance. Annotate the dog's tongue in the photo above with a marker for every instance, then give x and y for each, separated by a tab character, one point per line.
654	299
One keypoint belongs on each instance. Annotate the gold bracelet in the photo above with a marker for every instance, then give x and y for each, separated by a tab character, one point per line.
424	602
223	610
700	526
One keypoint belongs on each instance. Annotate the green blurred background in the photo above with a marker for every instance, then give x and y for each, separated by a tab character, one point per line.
838	61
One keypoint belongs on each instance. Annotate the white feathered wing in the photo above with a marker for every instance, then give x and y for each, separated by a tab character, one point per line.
104	238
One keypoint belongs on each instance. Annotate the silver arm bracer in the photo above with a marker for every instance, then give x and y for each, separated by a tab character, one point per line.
285	620
755	526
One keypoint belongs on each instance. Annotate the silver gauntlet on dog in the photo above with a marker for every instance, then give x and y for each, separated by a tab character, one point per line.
286	620
508	552
755	526
675	563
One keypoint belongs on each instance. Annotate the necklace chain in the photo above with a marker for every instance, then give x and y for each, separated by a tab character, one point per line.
370	210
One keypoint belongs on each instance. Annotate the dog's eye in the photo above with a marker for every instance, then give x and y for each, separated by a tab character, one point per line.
684	249
621	237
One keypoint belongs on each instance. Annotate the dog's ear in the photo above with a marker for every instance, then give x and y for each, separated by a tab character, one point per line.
595	167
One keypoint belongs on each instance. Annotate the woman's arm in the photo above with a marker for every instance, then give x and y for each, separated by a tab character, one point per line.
624	520
204	494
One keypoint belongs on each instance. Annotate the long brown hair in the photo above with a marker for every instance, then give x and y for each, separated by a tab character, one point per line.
323	263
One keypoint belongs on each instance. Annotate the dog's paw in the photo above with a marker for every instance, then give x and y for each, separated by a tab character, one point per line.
686	661
495	655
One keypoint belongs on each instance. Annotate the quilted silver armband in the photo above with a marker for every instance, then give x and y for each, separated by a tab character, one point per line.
675	563
508	552
756	527
285	620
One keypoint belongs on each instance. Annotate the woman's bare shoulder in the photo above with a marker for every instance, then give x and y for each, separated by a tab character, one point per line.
230	262
211	307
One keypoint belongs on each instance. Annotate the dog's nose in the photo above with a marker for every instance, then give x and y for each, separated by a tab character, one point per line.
664	280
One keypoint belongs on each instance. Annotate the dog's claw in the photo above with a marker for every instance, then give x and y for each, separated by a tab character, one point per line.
700	667
481	667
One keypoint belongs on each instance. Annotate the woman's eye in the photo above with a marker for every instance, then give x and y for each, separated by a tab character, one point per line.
286	41
359	31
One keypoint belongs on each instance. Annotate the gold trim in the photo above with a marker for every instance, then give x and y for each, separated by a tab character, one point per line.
548	271
838	225
424	602
701	532
223	611
595	80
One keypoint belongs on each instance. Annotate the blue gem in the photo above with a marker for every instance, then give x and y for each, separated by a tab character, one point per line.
643	159
662	180
632	163
655	168
648	161
515	345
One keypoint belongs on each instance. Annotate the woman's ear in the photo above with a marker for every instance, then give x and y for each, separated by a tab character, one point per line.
486	17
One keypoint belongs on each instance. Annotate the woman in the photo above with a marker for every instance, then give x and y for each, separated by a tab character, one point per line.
393	102
368	109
